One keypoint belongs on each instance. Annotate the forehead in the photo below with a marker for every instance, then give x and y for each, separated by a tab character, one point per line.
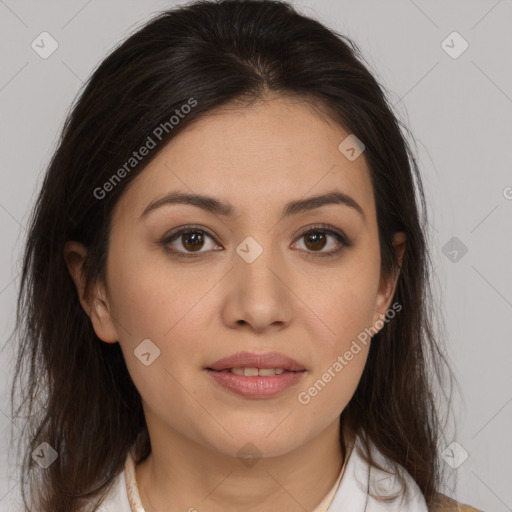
269	153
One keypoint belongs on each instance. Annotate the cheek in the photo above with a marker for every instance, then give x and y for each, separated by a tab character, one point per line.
352	312
327	393
154	300
152	303
344	304
340	357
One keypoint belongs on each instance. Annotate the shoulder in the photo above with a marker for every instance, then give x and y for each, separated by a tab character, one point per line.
413	492
362	486
365	487
448	504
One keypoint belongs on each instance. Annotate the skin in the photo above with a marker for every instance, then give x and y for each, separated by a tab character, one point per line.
289	300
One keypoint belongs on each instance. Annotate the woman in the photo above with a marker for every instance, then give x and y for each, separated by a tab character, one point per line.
225	295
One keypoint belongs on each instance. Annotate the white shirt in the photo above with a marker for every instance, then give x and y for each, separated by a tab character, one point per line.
349	493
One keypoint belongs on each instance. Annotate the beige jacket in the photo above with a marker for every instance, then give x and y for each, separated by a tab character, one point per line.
450	505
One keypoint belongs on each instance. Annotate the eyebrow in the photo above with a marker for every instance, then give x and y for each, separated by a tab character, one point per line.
218	207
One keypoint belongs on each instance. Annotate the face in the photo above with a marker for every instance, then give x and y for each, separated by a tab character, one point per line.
303	285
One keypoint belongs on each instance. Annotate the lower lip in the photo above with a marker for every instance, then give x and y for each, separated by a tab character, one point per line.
257	386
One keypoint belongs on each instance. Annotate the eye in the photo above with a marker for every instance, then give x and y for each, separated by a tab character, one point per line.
186	241
316	238
189	241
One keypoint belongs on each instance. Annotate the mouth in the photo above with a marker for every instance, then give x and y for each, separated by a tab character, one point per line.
251	362
255	372
255	385
256	375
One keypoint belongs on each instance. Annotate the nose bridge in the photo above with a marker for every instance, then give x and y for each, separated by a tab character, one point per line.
257	261
260	296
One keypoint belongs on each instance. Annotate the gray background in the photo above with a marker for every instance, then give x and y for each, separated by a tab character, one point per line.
459	110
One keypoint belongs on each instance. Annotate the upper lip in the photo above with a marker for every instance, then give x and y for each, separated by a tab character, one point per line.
252	360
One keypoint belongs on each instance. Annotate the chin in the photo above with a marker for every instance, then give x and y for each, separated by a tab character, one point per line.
264	442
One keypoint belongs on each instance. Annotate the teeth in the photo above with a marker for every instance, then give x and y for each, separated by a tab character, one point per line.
267	371
254	372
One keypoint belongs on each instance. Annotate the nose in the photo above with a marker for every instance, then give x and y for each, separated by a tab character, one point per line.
258	296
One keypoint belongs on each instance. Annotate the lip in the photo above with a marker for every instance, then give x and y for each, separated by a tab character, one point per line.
256	386
252	360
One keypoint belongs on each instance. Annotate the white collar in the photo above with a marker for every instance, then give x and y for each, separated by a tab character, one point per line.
352	494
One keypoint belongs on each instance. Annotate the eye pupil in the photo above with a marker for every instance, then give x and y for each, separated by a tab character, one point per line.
317	238
193	240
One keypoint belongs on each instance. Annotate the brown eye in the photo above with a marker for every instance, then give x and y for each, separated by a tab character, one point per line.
187	241
192	241
315	240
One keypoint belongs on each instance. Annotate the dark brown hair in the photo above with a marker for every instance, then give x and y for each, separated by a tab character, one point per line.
75	390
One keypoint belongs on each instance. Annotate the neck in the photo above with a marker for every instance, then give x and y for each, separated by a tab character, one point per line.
182	475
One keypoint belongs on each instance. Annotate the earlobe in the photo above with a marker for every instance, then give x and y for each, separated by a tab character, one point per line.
95	303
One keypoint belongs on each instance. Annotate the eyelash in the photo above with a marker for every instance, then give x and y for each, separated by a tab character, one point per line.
322	228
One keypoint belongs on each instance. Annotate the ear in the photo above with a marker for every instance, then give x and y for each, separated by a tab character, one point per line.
96	304
387	284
